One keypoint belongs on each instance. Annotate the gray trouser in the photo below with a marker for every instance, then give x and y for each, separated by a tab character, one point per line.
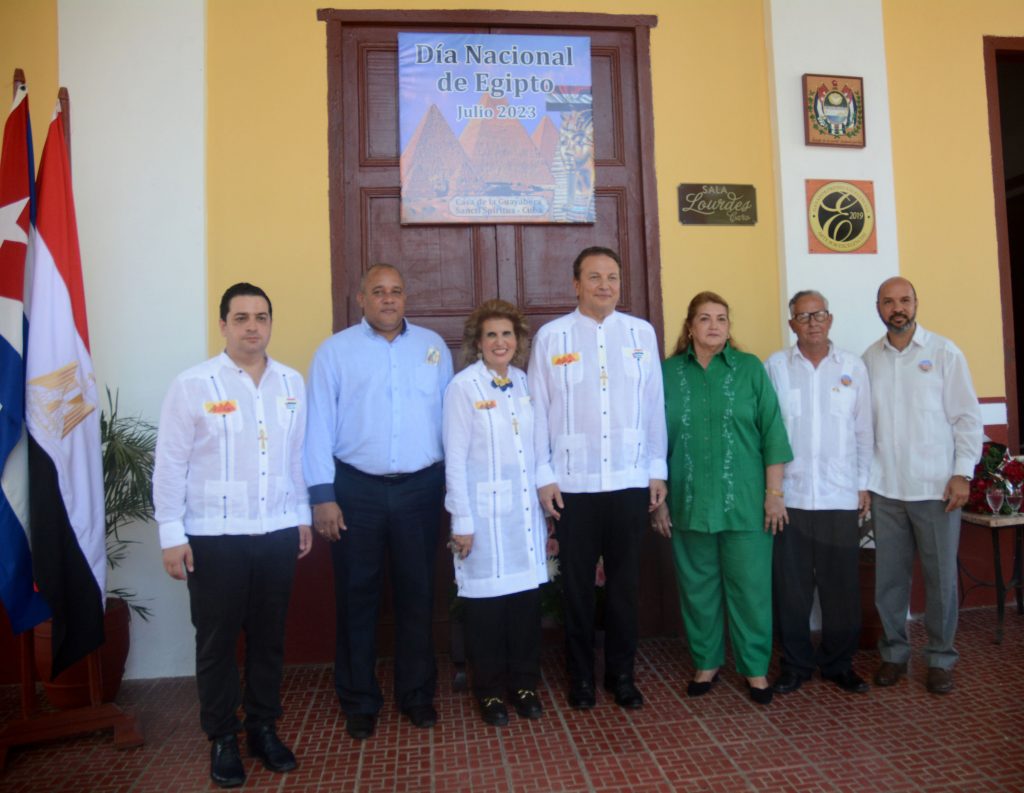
901	527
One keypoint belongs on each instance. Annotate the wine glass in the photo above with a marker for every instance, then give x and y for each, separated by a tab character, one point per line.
1014	498
994	498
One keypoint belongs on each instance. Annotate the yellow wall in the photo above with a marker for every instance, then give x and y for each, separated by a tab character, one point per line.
267	156
28	40
942	162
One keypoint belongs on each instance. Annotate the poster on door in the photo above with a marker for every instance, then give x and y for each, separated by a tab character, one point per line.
495	128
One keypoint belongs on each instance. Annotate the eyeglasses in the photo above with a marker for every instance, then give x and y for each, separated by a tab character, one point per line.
805	317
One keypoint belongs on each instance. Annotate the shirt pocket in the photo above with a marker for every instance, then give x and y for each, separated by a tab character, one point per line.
930	463
840	474
930	394
569	454
218	423
280	495
493	498
226	499
568	367
636	362
792	405
427	378
628	443
841	403
287	407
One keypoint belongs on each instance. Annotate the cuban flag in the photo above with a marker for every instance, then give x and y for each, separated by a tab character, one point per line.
24	605
63	419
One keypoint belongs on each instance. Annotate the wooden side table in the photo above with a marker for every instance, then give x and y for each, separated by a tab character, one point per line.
995	524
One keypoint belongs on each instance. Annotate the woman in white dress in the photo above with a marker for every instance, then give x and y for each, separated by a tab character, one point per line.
498	527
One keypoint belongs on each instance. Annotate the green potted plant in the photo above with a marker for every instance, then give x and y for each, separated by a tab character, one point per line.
128	446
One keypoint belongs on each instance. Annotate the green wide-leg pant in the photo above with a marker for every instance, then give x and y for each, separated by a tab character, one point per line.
733	568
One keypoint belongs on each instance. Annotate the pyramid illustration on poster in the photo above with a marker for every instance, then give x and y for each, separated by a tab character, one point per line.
434	166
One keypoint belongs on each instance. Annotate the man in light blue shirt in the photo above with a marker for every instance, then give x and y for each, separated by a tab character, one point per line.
373	462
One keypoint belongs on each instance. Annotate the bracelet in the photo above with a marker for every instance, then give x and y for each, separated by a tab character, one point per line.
772	492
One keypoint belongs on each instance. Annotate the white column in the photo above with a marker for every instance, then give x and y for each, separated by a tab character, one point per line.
842	38
135	73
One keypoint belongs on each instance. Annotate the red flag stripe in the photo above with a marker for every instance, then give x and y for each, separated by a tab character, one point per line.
56	224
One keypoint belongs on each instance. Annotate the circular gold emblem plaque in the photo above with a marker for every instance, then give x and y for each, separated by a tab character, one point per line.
841	216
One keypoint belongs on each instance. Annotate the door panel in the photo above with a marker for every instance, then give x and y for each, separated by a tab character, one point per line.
449	269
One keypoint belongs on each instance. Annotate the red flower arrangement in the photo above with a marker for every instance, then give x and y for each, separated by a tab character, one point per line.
998	467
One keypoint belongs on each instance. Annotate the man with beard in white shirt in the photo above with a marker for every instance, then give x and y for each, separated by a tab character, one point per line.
825	399
601	445
928	436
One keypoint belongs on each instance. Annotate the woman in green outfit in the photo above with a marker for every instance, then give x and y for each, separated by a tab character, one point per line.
727	446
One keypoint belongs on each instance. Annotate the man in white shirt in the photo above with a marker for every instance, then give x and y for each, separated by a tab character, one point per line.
599	421
826	404
928	436
233	513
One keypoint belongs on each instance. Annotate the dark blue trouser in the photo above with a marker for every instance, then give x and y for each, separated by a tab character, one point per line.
397	517
240	583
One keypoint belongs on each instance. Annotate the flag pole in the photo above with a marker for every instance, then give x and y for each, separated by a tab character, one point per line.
26	654
97	715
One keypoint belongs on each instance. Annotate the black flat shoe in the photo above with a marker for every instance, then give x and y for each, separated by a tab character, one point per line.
360	725
762	696
699	689
626	694
264	744
527	703
422	716
493	711
581	696
226	767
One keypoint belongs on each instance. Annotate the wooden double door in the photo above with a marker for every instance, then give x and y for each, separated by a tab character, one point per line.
450	269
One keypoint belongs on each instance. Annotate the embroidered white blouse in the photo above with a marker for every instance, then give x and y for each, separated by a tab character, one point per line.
489	471
229	452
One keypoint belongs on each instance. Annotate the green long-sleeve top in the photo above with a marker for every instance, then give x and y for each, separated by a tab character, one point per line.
724	428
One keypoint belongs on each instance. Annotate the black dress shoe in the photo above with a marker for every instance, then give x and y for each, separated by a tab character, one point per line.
762	696
581	695
695	689
627	695
493	711
226	767
360	725
527	703
849	681
787	682
422	716
264	744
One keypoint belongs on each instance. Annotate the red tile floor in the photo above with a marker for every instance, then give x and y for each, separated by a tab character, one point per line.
816	739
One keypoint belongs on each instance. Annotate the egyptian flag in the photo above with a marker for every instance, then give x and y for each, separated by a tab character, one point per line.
25	606
63	419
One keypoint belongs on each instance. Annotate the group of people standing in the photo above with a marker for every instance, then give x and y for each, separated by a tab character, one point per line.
758	474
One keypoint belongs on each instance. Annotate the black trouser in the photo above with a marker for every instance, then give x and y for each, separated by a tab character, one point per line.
595	525
818	547
240	583
397	517
503	639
